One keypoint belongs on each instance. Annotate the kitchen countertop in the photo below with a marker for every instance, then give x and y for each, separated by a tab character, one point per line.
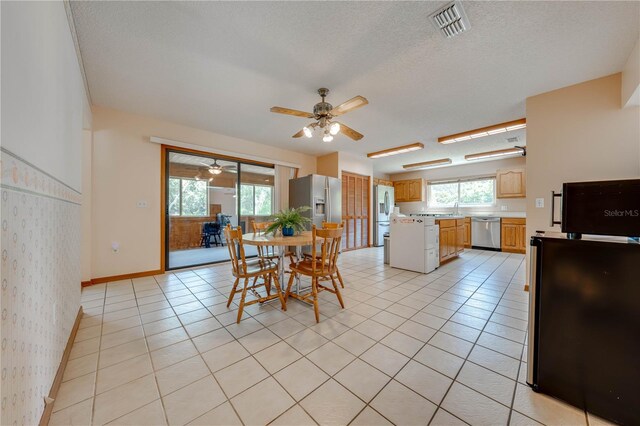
517	215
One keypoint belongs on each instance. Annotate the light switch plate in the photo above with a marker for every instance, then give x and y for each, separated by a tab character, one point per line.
539	203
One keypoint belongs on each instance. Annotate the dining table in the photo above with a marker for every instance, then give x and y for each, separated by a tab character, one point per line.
298	240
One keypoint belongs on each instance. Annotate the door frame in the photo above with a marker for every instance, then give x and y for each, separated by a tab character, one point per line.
164	172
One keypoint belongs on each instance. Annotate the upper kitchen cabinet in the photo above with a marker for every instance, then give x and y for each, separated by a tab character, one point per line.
511	183
408	190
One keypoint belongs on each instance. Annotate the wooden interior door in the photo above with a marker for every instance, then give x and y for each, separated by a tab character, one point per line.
355	210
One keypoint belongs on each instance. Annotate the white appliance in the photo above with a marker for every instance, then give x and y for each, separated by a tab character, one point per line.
414	243
485	232
382	209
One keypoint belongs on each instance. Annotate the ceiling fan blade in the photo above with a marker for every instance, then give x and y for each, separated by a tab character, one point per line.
205	164
288	111
349	105
348	131
299	134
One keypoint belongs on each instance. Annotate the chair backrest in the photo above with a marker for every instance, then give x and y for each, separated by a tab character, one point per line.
332	225
259	228
236	249
328	241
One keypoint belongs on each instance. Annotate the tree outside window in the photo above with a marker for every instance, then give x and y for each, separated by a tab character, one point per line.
188	197
467	193
256	200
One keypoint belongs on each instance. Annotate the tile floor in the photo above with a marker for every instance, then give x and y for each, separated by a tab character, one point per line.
445	348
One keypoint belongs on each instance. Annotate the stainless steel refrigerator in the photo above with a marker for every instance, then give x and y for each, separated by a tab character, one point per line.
382	209
322	193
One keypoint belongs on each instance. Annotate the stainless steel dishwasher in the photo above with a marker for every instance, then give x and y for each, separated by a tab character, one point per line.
485	232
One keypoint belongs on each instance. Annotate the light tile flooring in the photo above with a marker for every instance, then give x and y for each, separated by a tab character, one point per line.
445	348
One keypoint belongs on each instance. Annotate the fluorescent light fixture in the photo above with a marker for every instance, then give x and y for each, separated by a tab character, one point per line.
484	131
493	154
427	164
395	151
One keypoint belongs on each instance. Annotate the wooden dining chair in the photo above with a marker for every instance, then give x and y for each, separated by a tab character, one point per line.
331	225
264	252
320	266
247	269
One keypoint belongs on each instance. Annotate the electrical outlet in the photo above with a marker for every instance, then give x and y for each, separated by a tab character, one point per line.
504	208
142	204
115	246
539	203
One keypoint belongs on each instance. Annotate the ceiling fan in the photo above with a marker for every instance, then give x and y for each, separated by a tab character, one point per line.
216	169
323	113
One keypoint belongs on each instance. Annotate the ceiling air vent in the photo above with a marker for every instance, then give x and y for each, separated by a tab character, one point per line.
451	20
513	139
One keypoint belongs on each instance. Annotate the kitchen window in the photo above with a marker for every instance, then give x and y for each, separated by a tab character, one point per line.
465	192
188	197
256	200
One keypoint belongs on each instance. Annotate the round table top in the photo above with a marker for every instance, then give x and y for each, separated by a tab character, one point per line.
303	239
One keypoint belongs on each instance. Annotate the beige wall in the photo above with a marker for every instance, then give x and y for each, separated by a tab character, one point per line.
126	169
631	78
86	246
578	133
44	109
485	168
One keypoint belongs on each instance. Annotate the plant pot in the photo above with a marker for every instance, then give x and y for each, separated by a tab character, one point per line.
287	231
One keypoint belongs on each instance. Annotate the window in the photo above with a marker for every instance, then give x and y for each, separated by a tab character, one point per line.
188	197
473	192
256	200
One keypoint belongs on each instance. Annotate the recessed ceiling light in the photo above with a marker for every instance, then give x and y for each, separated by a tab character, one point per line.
484	131
499	153
427	164
395	151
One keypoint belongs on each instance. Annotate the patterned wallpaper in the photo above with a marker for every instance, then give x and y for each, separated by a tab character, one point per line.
40	296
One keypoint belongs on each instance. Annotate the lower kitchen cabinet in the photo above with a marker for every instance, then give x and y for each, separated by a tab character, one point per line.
513	235
451	238
467	232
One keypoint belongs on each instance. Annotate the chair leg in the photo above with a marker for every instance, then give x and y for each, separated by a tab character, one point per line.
314	289
340	279
335	287
276	284
233	292
267	284
244	294
291	278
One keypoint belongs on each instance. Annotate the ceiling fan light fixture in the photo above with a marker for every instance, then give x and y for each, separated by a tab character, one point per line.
334	128
307	132
214	171
327	137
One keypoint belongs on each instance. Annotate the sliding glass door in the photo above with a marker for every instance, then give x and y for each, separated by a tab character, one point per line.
203	195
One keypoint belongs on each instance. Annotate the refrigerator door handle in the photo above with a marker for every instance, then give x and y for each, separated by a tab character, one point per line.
386	203
532	313
328	198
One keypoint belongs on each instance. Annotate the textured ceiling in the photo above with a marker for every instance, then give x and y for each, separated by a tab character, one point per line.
220	66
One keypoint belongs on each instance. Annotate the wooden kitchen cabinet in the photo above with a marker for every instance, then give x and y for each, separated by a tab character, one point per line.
467	232
513	235
511	183
408	190
377	181
451	238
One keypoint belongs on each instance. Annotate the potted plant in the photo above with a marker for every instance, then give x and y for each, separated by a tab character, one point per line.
289	220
